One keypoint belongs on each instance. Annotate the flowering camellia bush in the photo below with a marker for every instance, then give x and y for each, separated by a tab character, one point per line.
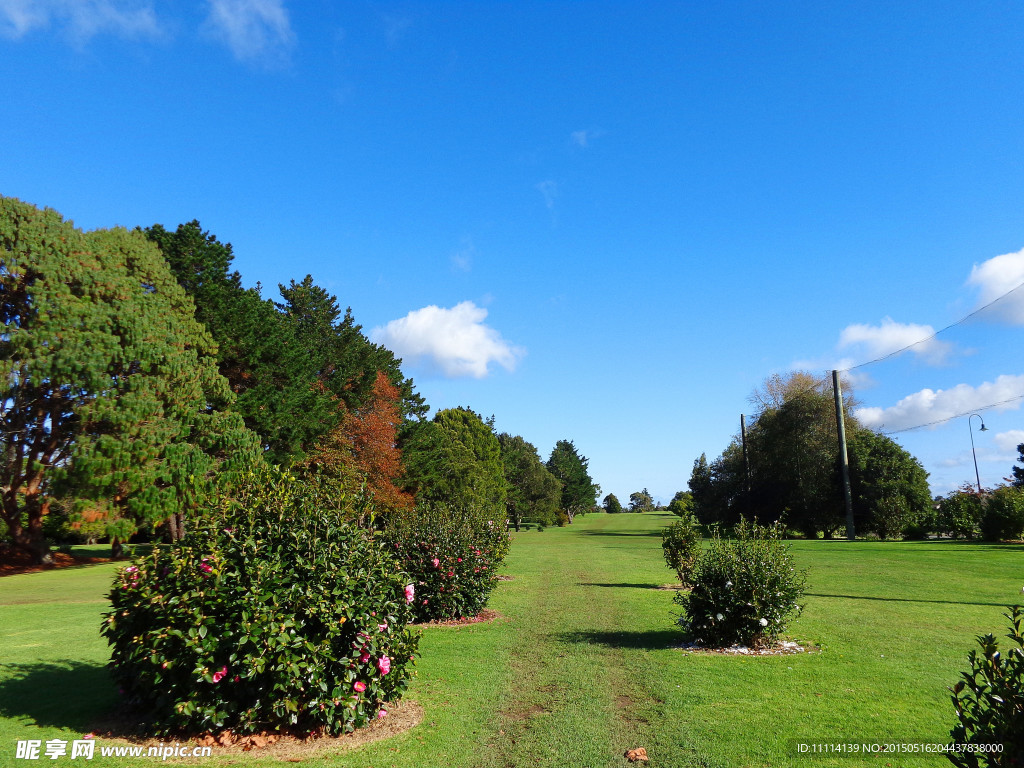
744	591
989	701
451	555
680	543
273	614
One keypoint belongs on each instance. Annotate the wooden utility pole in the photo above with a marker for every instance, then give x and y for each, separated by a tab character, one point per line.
844	460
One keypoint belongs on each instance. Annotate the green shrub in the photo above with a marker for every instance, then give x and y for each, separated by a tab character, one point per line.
989	701
272	614
680	543
1003	516
960	513
451	555
743	591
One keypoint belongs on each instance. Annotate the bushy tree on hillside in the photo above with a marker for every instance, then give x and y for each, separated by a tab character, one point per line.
1018	472
111	390
579	491
533	492
455	459
681	504
611	504
641	501
890	487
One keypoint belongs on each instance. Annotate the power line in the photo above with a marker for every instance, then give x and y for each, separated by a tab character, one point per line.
962	320
955	416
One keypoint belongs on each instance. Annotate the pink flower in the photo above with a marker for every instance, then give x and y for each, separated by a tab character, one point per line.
384	665
205	567
410	593
436	562
382	627
220	674
89	736
381	714
460	559
451	573
359	686
364	658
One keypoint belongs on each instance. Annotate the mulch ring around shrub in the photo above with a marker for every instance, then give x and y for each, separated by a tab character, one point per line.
778	648
400	718
485	615
14	561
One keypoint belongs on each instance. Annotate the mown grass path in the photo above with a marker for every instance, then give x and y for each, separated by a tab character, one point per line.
581	666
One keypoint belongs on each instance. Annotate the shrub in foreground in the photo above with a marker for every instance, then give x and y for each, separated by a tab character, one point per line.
272	614
989	702
451	555
680	543
744	591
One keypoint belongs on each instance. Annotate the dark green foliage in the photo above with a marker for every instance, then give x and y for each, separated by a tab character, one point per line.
456	460
682	504
611	504
989	702
960	513
641	501
270	615
1003	515
1018	472
890	487
743	591
579	491
533	493
701	488
680	543
451	555
111	389
289	364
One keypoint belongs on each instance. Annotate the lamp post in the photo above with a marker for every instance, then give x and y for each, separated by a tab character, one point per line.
975	455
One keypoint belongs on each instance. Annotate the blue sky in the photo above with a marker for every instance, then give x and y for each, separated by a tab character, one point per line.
606	222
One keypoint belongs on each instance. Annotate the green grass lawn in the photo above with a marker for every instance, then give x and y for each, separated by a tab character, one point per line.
582	664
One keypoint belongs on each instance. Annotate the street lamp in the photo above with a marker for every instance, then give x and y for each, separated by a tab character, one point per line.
971	430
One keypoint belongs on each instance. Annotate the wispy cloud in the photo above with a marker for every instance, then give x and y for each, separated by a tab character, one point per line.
81	20
929	405
1008	441
875	341
994	278
462	259
549	191
583	138
455	341
395	28
254	30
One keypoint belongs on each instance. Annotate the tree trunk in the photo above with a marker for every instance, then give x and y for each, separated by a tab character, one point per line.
172	528
29	540
180	517
116	548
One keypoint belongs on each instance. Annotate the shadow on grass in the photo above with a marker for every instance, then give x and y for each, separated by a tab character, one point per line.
902	599
60	694
653	640
622	533
624	585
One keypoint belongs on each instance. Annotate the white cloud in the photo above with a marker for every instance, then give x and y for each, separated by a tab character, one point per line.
929	405
81	19
1007	442
254	30
583	138
454	340
890	336
997	276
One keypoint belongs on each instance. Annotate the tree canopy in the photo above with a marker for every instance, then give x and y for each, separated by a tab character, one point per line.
111	388
579	492
533	492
